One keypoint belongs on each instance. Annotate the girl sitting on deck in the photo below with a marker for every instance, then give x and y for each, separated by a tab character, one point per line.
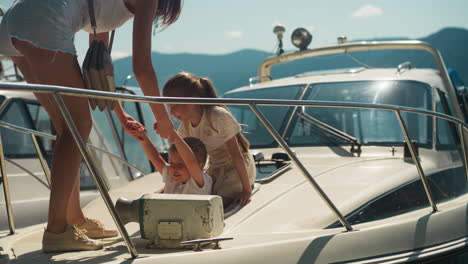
233	173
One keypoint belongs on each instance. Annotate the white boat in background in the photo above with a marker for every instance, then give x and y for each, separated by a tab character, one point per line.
336	181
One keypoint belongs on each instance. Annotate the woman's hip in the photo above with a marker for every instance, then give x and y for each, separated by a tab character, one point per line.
45	24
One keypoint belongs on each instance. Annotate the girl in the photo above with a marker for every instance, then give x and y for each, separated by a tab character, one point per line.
38	36
233	173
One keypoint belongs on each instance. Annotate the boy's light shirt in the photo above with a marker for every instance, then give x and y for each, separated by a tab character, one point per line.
189	187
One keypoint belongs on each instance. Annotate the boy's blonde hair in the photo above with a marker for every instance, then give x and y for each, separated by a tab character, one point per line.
197	147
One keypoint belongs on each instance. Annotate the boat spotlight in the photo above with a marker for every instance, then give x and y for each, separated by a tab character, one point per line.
129	77
279	32
301	38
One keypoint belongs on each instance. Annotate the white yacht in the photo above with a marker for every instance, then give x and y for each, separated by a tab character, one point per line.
355	165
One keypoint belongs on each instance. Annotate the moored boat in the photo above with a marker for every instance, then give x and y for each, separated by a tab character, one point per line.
378	174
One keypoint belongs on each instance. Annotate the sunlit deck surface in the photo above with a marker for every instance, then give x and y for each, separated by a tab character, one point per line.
26	245
275	203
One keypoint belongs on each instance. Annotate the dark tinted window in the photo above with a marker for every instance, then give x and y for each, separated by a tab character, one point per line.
42	123
17	144
254	130
444	185
447	134
131	147
371	126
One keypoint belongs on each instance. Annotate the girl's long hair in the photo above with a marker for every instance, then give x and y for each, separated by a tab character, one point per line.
185	84
168	12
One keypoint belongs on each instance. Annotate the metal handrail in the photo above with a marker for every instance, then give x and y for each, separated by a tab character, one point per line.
6	189
301	167
95	173
43	162
417	162
46	184
58	91
52	137
216	101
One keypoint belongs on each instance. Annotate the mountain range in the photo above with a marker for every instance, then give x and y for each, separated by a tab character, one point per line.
229	71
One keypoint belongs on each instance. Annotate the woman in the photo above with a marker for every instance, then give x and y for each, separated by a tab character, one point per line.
38	36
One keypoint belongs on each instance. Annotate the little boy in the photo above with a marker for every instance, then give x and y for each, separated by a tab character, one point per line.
184	173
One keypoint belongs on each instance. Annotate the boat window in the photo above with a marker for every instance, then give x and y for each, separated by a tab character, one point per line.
148	120
459	86
270	169
447	134
130	146
17	144
455	257
255	132
368	126
2	98
143	114
444	185
43	124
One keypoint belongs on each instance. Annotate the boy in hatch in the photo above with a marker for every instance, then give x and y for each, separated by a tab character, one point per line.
184	173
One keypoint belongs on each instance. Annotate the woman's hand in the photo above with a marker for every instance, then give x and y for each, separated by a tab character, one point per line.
133	127
243	198
164	129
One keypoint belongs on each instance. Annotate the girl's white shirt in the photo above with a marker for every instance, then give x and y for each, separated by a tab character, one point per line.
213	131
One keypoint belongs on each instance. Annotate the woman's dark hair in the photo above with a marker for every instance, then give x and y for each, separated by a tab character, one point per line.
185	84
168	12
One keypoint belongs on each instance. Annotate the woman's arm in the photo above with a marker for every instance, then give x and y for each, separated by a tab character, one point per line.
239	164
125	119
145	13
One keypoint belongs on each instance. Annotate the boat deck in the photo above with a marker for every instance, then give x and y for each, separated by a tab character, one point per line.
276	203
26	244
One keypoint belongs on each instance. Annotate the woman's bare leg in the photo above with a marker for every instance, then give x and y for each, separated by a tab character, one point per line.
75	215
57	68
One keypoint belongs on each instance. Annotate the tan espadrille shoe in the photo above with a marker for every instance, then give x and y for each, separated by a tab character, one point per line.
95	229
73	239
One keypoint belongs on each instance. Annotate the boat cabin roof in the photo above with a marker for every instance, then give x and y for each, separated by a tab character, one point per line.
429	76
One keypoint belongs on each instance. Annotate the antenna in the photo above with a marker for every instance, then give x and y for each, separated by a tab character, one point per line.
279	31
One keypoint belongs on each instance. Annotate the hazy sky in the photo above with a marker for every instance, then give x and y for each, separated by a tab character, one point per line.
222	26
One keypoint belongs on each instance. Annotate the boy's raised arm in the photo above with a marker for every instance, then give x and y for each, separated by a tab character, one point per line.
152	152
187	155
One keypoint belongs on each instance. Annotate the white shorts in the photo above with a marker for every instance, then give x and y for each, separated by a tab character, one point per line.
47	24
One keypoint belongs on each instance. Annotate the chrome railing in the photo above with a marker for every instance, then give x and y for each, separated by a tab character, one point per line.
58	92
34	134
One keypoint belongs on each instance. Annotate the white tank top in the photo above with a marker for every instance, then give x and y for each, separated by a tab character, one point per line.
110	14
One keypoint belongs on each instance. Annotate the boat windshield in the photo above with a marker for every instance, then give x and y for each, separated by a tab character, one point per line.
368	126
254	130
